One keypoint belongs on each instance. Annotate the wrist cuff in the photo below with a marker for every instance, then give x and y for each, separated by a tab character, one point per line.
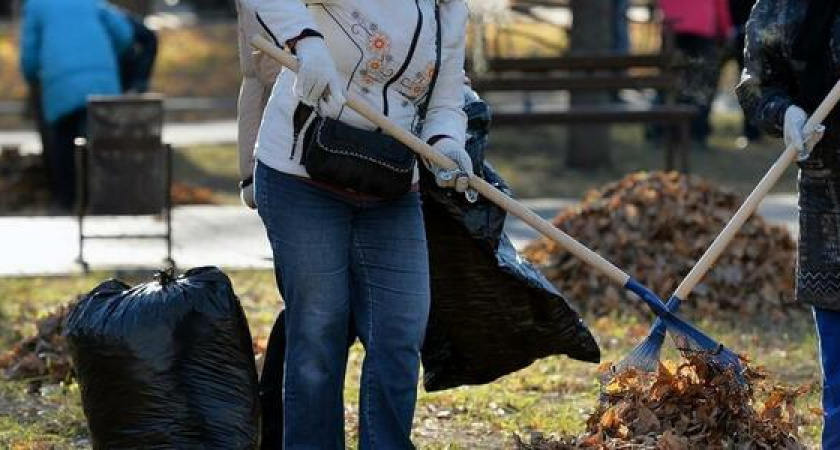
437	138
246	182
307	32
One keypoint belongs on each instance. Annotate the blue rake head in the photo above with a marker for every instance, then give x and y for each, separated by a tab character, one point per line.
689	340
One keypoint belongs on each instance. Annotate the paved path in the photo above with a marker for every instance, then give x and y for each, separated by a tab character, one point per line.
177	134
227	236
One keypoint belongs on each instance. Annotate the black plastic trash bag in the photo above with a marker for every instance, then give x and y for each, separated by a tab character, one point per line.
167	364
492	312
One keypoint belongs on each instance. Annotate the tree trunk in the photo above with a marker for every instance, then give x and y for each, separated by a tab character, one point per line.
589	145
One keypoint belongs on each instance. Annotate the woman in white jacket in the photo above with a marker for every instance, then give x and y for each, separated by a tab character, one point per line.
336	249
258	75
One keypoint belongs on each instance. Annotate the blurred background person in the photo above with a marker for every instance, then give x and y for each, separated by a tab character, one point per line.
138	60
620	30
698	26
70	48
740	12
258	74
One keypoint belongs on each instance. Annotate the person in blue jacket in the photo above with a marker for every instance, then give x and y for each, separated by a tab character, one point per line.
71	49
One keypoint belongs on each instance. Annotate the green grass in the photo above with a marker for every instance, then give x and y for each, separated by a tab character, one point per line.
215	167
553	395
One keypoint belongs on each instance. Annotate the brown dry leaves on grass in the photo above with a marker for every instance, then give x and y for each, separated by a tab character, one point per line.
188	194
22	182
44	357
655	226
685	407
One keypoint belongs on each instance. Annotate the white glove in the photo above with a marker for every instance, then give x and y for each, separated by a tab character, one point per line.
457	179
318	83
246	194
796	135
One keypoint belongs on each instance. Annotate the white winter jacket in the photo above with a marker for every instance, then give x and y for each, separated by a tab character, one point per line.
387	51
258	75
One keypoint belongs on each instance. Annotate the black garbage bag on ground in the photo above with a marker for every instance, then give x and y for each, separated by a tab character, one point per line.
167	364
492	312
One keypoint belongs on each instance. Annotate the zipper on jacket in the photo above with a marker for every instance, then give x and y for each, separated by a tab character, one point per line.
408	59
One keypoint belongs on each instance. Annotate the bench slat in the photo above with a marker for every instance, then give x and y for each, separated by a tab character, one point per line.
581	62
576	83
597	115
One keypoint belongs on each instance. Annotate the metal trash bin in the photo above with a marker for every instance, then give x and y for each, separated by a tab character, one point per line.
123	165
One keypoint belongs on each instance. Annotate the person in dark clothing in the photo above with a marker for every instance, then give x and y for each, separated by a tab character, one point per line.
69	49
137	62
698	26
791	64
740	12
620	32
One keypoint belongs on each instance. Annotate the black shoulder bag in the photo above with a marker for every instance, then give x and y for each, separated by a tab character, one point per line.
363	161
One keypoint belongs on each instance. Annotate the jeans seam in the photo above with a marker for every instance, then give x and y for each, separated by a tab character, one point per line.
369	363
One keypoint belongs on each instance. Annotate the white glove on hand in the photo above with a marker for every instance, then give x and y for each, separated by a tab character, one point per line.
246	194
457	179
795	134
318	83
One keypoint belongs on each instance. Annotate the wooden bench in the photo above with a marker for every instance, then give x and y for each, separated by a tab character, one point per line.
608	73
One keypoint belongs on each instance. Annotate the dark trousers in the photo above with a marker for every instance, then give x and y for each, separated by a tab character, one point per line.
699	80
62	174
271	385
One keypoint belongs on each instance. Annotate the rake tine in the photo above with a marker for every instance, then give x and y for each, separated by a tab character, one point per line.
645	355
687	337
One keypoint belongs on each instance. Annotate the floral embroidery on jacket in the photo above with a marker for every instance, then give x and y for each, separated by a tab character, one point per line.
379	64
416	86
377	67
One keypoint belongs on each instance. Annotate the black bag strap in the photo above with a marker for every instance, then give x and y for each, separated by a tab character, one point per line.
424	108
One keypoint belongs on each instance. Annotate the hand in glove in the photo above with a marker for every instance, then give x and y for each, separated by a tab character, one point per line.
246	193
796	135
457	179
318	83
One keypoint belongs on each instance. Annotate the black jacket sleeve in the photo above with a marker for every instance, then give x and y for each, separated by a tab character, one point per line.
768	82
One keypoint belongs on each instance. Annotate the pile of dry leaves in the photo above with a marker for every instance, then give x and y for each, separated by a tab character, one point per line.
655	226
685	407
188	194
44	357
22	181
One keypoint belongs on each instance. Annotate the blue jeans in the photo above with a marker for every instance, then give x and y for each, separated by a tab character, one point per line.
335	254
828	330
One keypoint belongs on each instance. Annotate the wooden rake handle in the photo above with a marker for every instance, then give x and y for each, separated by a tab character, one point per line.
482	187
754	199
